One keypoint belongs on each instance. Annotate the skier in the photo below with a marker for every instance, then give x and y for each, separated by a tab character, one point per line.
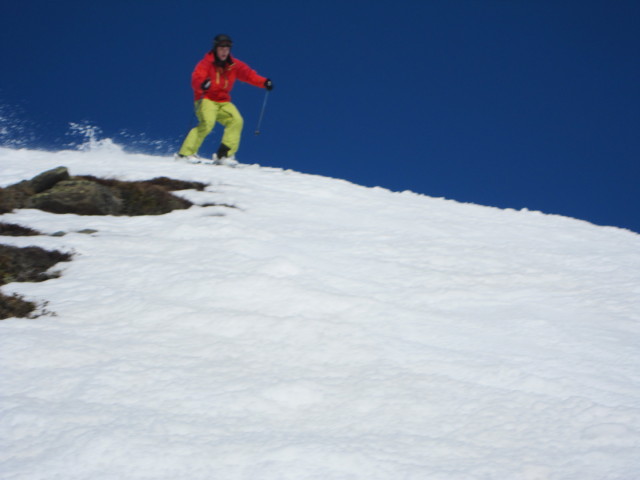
212	81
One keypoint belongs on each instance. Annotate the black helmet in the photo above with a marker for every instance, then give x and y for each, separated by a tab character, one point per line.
222	40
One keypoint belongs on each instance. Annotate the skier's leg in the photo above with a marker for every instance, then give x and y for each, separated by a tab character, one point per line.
230	118
206	111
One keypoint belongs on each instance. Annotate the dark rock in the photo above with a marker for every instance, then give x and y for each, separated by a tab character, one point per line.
55	191
15	196
81	197
143	197
15	306
28	264
48	179
14	230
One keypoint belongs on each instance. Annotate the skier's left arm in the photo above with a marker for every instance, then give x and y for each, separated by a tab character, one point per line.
248	75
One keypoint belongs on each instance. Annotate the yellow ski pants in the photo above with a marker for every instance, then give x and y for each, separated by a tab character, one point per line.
208	113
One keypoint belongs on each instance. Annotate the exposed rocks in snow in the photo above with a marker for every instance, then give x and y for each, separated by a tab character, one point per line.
27	264
15	306
82	197
14	230
57	192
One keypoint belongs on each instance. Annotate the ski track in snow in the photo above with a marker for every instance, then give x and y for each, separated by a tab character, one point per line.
318	330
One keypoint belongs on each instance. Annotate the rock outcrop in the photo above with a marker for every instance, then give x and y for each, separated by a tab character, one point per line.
57	192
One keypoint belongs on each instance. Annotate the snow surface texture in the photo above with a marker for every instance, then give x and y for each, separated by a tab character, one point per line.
320	330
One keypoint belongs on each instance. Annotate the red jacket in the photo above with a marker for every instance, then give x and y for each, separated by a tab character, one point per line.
222	78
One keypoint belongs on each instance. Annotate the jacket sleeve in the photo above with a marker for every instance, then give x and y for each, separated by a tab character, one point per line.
246	74
199	75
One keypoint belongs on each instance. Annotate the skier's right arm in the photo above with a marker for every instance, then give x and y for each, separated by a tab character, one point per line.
199	78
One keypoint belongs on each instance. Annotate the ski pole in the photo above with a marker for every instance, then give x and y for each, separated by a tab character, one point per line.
264	104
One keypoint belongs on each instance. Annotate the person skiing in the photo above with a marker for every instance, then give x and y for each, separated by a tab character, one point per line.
212	81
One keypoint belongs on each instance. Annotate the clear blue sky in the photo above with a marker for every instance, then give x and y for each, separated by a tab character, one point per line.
510	103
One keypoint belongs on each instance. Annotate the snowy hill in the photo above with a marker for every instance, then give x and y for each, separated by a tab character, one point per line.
319	330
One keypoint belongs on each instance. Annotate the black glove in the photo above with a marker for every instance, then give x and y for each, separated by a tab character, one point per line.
268	84
206	84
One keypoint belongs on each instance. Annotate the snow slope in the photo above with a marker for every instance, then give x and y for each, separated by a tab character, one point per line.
319	330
